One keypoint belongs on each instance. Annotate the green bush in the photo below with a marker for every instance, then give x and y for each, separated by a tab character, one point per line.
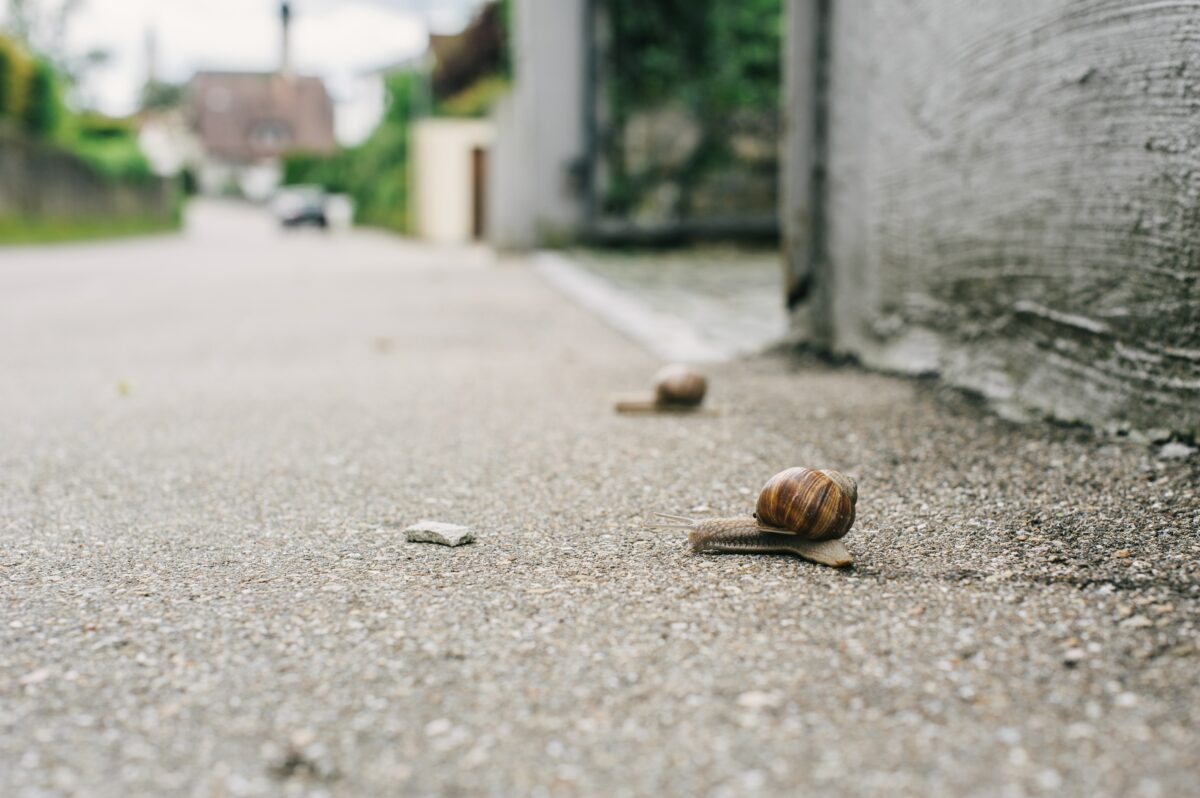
109	145
718	59
29	90
6	69
329	171
476	100
116	158
43	107
15	66
506	29
717	55
379	178
374	174
49	230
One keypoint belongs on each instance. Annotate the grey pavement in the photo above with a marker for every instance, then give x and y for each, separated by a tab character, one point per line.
730	296
210	445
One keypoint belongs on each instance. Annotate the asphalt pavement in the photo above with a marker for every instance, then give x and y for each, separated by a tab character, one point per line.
211	443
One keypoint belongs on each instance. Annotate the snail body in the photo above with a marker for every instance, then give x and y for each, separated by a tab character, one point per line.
813	510
677	388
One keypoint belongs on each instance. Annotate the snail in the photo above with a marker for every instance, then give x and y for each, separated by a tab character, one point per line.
677	388
799	511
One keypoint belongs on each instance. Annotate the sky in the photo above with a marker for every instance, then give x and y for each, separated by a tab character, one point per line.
336	39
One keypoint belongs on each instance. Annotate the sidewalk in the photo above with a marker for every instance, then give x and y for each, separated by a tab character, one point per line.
209	444
705	304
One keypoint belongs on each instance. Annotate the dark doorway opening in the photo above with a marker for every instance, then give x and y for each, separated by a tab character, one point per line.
479	169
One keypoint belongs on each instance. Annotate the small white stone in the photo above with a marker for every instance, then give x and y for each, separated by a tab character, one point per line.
1080	731
36	677
440	533
1008	735
436	728
1176	450
1049	780
755	699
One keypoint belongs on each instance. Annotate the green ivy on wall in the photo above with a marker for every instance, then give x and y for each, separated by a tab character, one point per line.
720	60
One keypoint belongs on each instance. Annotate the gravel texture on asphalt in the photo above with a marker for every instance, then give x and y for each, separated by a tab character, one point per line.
210	446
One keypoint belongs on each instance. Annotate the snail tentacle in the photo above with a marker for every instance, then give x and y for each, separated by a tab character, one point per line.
676	522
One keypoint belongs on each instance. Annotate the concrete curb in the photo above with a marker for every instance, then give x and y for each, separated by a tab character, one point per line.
667	337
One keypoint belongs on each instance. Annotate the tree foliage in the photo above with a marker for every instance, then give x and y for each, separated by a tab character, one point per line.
15	67
159	95
109	145
375	174
30	96
720	60
719	55
475	54
43	106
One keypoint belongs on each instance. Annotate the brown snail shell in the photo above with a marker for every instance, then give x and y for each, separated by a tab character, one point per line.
800	511
677	388
817	505
679	385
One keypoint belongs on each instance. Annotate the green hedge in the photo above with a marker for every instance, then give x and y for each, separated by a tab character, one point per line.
45	231
716	58
30	96
109	145
43	107
374	174
15	68
716	55
31	102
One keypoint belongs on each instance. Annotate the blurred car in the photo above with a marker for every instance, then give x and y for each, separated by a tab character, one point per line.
301	206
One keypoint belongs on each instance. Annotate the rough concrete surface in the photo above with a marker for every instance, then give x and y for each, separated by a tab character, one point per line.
1008	197
206	443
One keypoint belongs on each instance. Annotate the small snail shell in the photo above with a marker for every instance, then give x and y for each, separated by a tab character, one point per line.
679	385
677	388
809	511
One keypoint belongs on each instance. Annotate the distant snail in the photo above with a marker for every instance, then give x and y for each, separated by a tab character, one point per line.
676	388
799	511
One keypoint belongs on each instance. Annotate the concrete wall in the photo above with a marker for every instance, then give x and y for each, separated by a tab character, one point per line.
443	185
540	129
1006	194
43	183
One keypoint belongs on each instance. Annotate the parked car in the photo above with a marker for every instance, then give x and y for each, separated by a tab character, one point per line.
301	206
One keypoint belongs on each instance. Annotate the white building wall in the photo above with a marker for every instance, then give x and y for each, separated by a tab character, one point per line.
443	185
540	127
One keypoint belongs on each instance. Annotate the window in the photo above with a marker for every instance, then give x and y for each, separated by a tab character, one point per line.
270	134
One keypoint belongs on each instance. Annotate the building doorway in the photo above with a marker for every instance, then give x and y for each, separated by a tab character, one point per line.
479	172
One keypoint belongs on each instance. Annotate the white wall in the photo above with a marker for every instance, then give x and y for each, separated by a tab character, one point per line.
540	128
443	198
